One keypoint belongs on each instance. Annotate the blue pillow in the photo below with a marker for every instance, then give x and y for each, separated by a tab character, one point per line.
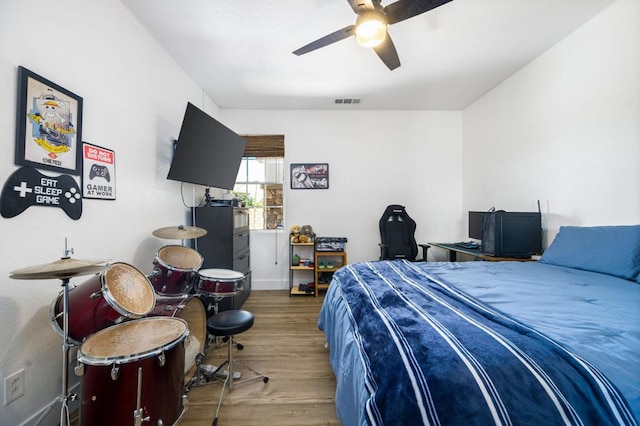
612	250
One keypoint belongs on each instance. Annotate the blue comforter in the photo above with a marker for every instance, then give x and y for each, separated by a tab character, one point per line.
420	351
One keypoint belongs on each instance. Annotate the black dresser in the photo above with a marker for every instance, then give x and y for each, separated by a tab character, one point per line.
226	245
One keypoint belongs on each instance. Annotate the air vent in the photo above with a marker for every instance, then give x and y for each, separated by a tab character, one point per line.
347	101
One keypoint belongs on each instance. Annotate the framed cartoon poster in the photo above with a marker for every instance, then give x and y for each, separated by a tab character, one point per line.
309	176
49	125
98	172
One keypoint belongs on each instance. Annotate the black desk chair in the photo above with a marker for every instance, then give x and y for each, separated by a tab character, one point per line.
397	235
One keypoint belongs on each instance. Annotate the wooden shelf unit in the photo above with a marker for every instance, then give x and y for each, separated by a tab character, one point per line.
297	273
339	259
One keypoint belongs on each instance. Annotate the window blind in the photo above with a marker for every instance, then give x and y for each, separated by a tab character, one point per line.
264	146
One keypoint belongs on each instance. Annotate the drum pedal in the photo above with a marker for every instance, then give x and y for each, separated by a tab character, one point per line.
210	370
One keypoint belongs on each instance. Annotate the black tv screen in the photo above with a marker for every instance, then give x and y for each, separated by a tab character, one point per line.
207	152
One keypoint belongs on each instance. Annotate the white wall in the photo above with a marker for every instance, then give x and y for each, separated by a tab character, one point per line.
375	159
134	101
564	130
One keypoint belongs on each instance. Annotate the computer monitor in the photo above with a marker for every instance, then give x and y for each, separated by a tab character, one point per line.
475	225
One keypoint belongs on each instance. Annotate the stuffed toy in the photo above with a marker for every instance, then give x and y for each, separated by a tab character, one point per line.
302	234
306	234
295	234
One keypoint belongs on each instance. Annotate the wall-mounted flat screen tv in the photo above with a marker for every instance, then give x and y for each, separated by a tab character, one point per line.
207	152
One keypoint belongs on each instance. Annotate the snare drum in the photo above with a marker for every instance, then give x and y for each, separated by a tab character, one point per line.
133	370
174	270
220	282
193	312
120	292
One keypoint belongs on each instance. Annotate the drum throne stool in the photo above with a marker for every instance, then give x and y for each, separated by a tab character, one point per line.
228	324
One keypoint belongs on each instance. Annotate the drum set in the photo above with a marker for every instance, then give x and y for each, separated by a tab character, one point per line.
141	339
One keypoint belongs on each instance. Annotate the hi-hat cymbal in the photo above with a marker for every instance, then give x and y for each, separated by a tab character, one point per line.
62	268
179	232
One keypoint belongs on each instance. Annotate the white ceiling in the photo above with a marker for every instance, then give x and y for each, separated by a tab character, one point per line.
239	51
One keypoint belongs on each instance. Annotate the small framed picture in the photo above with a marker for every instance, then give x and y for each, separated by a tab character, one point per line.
309	176
49	125
98	172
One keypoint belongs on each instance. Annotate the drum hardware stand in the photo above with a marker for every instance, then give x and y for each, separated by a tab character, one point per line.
64	411
137	413
229	382
65	397
64	269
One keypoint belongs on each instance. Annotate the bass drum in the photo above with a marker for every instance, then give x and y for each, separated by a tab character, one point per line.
192	311
133	372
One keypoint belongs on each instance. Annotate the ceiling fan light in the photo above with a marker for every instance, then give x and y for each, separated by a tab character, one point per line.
371	29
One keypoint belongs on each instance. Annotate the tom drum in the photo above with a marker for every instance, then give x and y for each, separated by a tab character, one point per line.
174	270
120	292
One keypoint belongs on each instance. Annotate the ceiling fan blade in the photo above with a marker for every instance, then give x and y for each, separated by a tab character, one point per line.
405	9
354	5
327	40
358	5
387	52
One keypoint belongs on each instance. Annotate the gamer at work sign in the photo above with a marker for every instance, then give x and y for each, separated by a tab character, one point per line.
98	172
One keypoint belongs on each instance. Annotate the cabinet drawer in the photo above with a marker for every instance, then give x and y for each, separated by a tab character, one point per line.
240	242
241	263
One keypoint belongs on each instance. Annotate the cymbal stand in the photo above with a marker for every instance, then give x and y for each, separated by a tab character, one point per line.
65	397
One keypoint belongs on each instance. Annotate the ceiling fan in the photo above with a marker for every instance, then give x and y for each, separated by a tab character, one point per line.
371	25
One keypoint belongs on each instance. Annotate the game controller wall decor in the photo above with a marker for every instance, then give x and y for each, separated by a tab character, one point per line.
28	187
99	171
49	125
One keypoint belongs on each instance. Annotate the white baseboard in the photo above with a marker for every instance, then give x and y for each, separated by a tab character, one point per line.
269	284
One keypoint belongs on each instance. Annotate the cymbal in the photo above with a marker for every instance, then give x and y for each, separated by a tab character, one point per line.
89	270
62	268
179	232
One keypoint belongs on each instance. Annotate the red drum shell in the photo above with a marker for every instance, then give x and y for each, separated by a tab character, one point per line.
155	346
220	282
192	311
103	300
175	269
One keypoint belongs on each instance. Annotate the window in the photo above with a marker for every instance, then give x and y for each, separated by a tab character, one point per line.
260	181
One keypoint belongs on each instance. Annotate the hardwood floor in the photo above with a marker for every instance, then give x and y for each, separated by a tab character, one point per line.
286	345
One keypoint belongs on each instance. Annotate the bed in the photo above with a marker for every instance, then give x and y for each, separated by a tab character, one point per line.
476	343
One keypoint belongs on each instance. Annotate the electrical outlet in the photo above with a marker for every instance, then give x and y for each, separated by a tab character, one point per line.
13	386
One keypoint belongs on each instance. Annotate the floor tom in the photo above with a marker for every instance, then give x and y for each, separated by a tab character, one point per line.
133	370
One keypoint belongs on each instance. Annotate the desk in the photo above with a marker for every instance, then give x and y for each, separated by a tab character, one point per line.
476	253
